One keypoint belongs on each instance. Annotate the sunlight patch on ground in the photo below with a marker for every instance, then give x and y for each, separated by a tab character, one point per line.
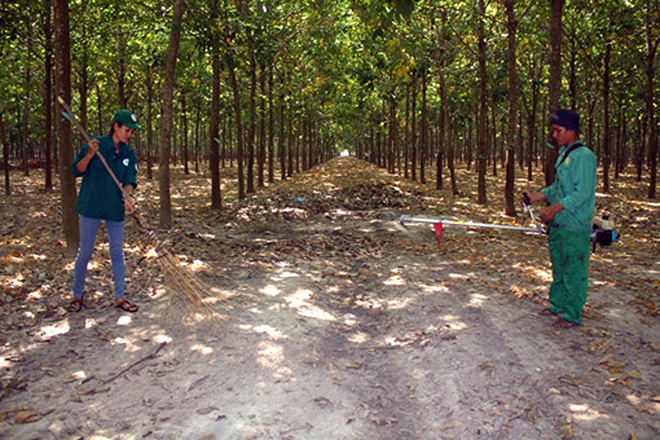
398	303
124	320
358	338
300	301
453	322
162	339
477	300
534	271
585	413
78	375
285	275
270	290
461	276
202	349
273	333
57	329
439	288
395	280
271	356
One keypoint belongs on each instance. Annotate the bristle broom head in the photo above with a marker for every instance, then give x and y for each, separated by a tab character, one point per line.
188	293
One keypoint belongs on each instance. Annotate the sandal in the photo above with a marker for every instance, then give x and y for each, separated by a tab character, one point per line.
564	323
126	305
547	312
75	306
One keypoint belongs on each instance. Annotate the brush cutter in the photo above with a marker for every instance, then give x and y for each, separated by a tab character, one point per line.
438	224
187	286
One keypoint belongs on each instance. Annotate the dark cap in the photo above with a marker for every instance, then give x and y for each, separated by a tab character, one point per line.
567	119
127	118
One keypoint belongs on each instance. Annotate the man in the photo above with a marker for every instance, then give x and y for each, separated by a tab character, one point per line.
569	218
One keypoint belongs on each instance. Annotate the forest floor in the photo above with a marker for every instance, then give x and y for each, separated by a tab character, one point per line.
336	324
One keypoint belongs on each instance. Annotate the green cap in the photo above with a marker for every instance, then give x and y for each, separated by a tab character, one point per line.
127	118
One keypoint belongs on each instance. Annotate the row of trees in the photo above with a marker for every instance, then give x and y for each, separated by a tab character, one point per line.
271	85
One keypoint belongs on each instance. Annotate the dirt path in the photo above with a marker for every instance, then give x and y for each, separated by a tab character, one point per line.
338	327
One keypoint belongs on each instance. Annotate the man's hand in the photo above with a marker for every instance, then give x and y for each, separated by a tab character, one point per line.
547	214
534	196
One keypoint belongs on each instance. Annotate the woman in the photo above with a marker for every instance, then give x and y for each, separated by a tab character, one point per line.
101	199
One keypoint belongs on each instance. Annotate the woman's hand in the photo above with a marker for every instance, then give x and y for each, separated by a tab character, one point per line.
129	203
92	147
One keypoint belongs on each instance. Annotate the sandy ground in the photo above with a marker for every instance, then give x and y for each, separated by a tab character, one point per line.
337	327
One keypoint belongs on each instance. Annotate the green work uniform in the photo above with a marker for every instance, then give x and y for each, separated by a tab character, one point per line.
100	196
569	237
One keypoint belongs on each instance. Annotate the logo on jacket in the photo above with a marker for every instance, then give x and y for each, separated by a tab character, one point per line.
125	162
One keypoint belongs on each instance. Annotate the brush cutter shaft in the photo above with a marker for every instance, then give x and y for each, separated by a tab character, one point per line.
404	219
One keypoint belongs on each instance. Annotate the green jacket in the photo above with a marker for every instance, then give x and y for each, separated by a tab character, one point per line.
99	195
575	189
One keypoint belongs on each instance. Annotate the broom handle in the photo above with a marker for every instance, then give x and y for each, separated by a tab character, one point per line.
98	153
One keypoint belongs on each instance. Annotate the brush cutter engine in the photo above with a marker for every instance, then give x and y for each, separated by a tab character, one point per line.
602	232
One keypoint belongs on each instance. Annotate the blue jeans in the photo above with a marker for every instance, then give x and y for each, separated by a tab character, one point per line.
88	229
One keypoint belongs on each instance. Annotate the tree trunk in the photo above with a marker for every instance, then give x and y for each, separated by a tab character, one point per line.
214	153
406	134
261	154
281	141
512	24
393	134
252	123
481	122
413	130
198	119
165	212
651	49
607	130
48	97
26	104
184	116
271	129
239	124
442	123
5	154
150	130
65	146
423	143
554	82
121	75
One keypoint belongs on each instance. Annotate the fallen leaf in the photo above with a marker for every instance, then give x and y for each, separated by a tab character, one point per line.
27	416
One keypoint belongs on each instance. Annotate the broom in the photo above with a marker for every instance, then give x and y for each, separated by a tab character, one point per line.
186	286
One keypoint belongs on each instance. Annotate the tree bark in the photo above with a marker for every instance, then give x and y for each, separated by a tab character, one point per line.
5	154
607	129
239	124
651	50
482	115
214	159
251	124
554	82
48	97
512	24
271	129
68	197
165	212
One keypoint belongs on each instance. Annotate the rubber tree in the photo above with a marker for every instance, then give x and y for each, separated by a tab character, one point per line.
68	197
165	211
